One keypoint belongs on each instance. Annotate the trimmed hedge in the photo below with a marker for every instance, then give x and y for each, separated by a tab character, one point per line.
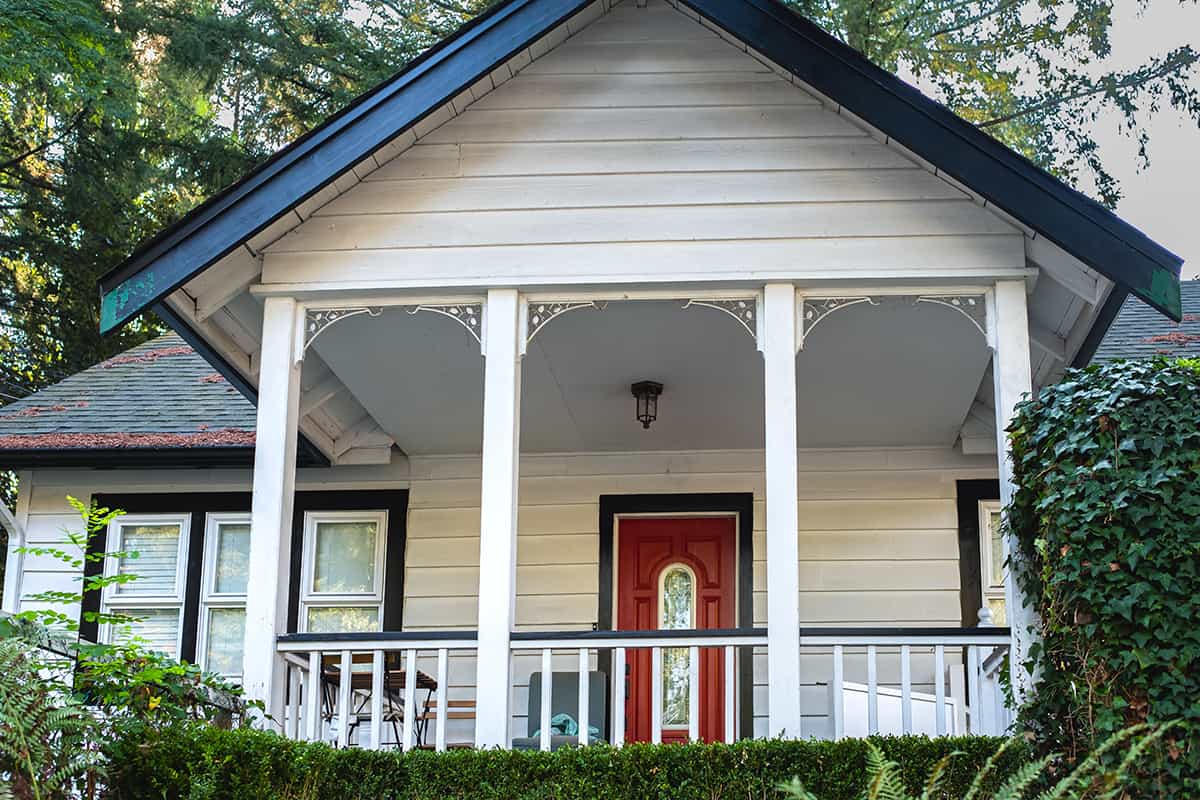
202	763
1108	518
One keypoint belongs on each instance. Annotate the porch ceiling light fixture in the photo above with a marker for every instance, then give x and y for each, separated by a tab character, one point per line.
647	393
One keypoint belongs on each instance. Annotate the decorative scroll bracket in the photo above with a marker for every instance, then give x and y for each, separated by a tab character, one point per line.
319	320
743	309
469	315
538	315
815	309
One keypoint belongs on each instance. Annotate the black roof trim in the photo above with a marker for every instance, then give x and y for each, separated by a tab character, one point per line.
307	453
304	167
1100	326
1073	221
128	457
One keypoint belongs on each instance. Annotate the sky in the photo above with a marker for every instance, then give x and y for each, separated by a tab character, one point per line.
1163	200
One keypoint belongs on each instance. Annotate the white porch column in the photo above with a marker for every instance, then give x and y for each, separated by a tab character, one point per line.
271	505
783	550
1012	379
498	513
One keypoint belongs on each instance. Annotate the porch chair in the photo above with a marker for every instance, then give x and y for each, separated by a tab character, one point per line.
564	699
393	700
455	709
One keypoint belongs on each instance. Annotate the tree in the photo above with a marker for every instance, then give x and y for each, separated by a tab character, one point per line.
1033	75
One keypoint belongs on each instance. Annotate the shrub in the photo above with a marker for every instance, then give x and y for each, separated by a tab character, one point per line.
1090	780
1107	515
199	762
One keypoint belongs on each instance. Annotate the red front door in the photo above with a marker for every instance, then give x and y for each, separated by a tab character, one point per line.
675	572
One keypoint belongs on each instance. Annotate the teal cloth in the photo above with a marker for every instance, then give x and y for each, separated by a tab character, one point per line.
564	724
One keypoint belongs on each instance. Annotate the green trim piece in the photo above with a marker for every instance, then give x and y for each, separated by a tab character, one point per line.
1163	292
137	292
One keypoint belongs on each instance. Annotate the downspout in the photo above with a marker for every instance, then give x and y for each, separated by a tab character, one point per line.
14	560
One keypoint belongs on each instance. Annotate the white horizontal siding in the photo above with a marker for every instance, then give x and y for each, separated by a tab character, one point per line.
643	145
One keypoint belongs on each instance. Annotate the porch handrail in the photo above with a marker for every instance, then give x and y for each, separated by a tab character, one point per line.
304	654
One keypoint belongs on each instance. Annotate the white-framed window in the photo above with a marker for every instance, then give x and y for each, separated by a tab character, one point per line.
155	548
676	611
223	593
341	587
993	553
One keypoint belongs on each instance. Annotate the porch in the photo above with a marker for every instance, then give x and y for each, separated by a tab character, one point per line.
837	601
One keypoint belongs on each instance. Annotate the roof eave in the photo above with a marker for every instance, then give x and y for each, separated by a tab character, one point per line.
216	228
1079	225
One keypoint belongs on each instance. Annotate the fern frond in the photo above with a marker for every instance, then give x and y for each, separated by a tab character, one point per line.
1083	774
989	767
937	776
1018	783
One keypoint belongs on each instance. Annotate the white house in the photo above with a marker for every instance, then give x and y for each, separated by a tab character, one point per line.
441	302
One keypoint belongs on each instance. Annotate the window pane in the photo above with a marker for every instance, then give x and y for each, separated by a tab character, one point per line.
996	551
223	653
676	602
676	682
998	615
343	619
157	628
233	558
345	557
676	612
157	559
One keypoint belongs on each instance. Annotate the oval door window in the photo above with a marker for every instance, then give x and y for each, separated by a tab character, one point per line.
677	611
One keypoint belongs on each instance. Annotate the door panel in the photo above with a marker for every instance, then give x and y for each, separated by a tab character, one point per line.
705	548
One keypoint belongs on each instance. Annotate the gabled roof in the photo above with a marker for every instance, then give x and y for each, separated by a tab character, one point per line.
155	399
1077	224
1138	332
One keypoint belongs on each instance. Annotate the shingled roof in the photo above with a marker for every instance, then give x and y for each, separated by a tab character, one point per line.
159	396
1141	332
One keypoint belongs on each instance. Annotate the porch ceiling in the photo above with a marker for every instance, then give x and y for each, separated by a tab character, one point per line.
868	376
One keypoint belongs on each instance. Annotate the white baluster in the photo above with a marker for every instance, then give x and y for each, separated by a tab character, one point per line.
312	697
974	693
939	684
693	694
656	690
292	720
839	699
410	697
376	698
618	732
345	674
443	707
584	696
730	684
872	691
906	688
547	678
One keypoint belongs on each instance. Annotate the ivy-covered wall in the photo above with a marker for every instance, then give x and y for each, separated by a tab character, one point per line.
1108	518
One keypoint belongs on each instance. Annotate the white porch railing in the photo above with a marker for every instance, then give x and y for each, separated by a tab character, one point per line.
336	682
390	689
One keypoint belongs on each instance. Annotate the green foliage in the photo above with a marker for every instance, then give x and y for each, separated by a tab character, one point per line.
200	762
117	118
1108	519
1091	780
1037	76
73	555
49	743
128	683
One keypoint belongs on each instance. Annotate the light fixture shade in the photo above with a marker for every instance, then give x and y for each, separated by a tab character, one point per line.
647	393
